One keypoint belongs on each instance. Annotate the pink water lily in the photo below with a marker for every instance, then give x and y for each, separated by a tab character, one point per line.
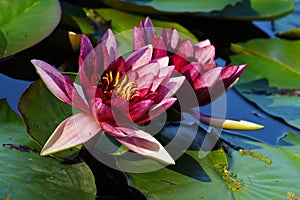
115	94
194	61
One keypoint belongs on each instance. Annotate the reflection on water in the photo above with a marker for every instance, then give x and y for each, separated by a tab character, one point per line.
12	89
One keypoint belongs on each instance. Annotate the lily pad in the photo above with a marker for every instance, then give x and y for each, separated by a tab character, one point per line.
26	175
42	112
177	6
275	60
25	23
122	21
248	175
290	34
280	103
249	10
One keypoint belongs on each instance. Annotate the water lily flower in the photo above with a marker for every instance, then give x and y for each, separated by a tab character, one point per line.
194	61
115	94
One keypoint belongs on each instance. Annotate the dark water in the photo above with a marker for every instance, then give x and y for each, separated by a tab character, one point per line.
12	89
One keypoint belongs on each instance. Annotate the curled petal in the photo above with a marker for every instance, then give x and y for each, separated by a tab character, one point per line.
226	123
144	144
73	131
230	74
61	86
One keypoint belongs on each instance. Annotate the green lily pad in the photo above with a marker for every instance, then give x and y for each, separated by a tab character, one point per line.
250	10
27	175
25	23
247	10
275	60
177	6
255	174
290	34
122	21
280	103
42	112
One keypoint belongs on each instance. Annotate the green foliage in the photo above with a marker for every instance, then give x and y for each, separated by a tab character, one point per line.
27	175
25	23
249	10
122	21
177	6
275	60
247	177
42	113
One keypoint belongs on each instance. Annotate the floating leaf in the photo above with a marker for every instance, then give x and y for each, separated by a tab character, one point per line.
42	113
250	10
195	178
290	34
27	175
275	60
25	23
122	21
177	6
286	106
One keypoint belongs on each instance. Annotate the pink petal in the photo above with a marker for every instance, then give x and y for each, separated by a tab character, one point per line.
203	43
163	61
111	45
61	86
174	84
208	79
145	81
230	74
191	71
139	57
205	54
205	84
179	61
159	48
186	48
138	38
150	68
139	109
87	62
73	131
144	144
149	30
174	38
102	58
113	131
102	112
157	110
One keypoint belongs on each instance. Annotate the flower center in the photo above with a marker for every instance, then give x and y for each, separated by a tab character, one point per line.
120	87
